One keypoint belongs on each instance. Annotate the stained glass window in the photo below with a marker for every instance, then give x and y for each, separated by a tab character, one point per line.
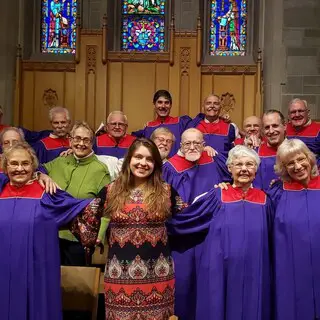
143	25
58	26
228	27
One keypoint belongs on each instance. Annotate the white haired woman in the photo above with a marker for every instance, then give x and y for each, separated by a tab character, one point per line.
296	234
29	223
233	269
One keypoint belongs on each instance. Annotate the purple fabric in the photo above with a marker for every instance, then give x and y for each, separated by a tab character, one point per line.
296	247
265	173
45	155
232	265
30	268
176	128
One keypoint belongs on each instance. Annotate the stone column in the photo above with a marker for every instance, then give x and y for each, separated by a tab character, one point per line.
186	13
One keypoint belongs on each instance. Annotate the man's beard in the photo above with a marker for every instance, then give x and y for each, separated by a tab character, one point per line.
193	156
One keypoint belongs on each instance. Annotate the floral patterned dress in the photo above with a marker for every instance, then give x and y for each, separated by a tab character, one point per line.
139	274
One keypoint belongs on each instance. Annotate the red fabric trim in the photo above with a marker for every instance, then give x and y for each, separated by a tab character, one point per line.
314	184
236	194
32	190
55	143
168	120
181	163
266	151
218	128
105	140
239	141
312	130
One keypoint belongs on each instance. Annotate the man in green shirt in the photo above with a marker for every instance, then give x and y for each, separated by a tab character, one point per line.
83	176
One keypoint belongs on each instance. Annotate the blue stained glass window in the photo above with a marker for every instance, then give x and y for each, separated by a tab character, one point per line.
228	28
58	26
143	25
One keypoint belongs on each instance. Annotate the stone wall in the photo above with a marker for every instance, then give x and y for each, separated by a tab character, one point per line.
301	38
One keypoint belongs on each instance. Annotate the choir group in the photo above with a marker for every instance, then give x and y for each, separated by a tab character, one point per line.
202	220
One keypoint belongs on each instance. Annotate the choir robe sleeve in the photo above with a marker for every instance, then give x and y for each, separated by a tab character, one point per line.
3	180
62	207
184	123
195	121
220	160
197	217
275	192
34	136
140	133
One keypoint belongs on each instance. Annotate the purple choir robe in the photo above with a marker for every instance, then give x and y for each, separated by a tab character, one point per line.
218	135
233	269
108	146
50	148
265	173
30	271
296	250
310	135
190	180
34	136
175	124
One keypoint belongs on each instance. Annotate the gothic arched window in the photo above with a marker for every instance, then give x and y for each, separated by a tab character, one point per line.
228	28
143	25
58	26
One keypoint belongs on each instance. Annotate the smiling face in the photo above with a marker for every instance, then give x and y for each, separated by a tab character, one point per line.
141	163
81	142
274	129
117	126
243	171
60	124
298	167
192	145
212	107
252	126
19	167
298	114
164	142
162	107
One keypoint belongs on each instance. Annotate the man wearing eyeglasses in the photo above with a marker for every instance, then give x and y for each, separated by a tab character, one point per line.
164	140
116	141
301	127
83	176
191	172
218	133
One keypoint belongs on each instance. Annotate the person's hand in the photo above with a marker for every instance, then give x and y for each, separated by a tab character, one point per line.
66	153
210	151
226	118
222	185
252	141
98	242
272	182
47	183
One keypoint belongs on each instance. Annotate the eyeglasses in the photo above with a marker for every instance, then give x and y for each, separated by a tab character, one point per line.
15	164
196	144
299	161
162	140
10	143
300	111
117	124
78	139
248	165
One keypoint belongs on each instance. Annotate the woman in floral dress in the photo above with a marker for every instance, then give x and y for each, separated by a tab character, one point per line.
139	274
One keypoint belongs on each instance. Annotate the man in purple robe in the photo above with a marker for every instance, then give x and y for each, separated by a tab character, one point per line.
233	267
274	129
301	127
191	172
51	147
218	134
162	101
115	142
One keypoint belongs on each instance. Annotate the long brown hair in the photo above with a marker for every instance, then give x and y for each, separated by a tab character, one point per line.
156	195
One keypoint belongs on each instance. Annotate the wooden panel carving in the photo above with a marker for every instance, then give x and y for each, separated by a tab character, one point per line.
91	59
50	98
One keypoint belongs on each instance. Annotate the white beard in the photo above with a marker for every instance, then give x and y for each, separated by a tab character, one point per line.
193	157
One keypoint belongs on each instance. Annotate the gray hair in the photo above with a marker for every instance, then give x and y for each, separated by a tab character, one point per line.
162	130
242	151
17	130
289	148
81	124
55	110
117	112
295	100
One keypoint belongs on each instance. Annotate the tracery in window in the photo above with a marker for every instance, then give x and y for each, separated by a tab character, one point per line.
58	26
228	27
143	25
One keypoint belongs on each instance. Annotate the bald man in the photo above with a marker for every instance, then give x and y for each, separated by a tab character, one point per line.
252	129
218	133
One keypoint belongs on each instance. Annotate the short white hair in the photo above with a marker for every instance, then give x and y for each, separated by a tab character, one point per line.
55	110
295	100
242	151
117	112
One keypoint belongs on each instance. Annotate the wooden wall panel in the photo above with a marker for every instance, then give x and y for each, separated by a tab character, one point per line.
249	97
27	116
115	87
69	96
